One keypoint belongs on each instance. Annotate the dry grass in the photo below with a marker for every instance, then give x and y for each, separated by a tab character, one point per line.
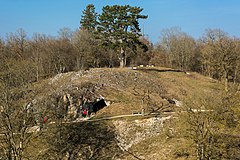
126	89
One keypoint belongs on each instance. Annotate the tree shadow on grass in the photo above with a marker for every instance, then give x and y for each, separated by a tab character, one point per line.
85	140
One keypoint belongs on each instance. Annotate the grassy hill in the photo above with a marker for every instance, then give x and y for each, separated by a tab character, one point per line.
129	89
154	89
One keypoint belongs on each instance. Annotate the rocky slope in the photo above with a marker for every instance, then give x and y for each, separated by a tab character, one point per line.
158	93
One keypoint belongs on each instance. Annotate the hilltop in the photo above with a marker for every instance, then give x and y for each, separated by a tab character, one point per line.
130	89
133	113
159	93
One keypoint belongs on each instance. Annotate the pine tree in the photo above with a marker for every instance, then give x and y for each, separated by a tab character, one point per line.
119	29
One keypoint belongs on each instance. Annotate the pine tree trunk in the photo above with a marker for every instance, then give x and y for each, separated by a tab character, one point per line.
122	58
122	64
